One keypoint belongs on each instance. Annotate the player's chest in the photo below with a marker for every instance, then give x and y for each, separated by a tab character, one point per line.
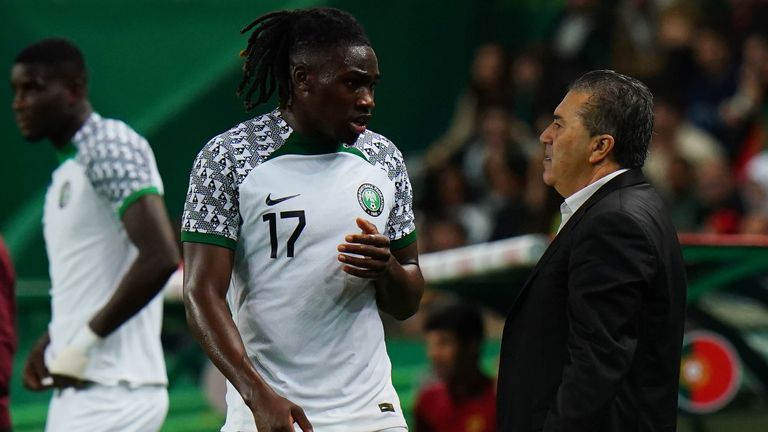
317	198
72	207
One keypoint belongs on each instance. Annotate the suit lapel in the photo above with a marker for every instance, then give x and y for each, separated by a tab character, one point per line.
630	178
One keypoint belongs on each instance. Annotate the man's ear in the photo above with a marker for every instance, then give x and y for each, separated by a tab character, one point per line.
81	89
78	90
602	146
300	78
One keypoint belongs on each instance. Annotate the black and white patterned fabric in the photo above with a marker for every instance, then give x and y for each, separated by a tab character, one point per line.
222	165
117	160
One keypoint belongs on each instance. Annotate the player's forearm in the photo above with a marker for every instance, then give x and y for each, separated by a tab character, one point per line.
399	290
210	322
207	274
143	281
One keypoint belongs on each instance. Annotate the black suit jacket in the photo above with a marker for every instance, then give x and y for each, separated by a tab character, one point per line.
592	342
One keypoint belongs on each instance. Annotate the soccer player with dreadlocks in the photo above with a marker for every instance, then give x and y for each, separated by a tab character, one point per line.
298	228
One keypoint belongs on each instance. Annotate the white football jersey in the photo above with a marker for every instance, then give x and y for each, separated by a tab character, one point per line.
284	204
106	168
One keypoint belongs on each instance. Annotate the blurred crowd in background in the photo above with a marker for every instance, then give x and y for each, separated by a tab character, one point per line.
706	63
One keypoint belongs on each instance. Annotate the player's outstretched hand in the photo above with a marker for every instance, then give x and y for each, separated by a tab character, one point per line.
366	254
275	413
36	376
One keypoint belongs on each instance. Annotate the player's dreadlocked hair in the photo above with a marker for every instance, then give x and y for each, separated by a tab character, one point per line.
278	35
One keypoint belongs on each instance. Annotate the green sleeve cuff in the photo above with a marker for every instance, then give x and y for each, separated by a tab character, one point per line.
132	198
403	241
211	239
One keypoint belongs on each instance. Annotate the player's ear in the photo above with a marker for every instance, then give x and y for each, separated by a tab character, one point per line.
602	146
78	89
300	77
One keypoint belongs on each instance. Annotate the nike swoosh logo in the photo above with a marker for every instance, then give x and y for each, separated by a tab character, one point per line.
271	202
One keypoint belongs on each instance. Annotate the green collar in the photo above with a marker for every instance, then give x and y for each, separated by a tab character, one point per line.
301	145
69	151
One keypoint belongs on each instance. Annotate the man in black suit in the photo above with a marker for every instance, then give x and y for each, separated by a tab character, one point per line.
592	342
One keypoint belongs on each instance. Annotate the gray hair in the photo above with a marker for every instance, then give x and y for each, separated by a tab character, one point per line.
619	106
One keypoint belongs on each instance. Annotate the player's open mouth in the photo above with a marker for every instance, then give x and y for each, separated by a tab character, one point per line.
360	124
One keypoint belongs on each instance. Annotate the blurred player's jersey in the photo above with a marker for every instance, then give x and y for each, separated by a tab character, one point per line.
284	204
105	169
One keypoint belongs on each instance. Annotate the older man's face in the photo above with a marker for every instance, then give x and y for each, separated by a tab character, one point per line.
567	147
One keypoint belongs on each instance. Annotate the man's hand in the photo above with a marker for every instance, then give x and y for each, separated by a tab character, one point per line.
274	413
370	257
70	362
73	359
36	376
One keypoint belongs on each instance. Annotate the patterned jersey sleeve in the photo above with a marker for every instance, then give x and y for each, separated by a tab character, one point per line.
401	225
120	166
211	211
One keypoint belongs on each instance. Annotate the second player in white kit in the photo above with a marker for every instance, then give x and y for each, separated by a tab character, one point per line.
110	248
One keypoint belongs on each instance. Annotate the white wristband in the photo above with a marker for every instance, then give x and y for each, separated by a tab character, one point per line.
85	339
73	359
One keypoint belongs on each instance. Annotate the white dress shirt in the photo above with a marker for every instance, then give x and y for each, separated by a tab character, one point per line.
573	202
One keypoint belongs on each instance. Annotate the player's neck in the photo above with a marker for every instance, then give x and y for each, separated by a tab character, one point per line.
302	126
68	131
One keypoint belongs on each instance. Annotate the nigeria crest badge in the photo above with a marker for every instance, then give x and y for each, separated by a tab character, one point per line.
64	194
370	198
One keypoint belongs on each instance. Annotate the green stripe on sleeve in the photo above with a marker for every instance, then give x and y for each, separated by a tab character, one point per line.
132	198
403	241
211	239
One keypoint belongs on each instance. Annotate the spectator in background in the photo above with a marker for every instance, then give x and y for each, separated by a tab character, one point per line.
449	196
757	139
746	110
675	32
505	198
581	40
680	198
499	135
634	49
721	205
484	178
742	17
755	190
526	86
713	82
463	398
488	86
442	233
7	334
746	100
675	137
